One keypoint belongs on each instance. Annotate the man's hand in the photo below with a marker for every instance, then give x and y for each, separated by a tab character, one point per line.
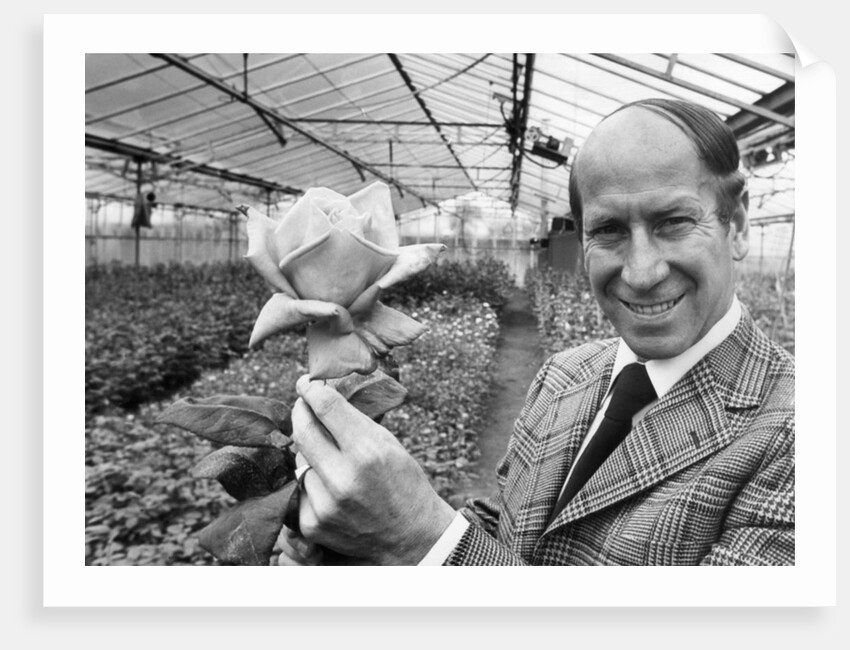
365	497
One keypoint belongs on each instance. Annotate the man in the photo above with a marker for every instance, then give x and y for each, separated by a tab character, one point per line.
694	403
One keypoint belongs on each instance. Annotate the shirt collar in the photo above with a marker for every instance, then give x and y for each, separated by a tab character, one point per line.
664	373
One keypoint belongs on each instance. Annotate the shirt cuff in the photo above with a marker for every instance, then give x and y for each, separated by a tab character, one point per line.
447	542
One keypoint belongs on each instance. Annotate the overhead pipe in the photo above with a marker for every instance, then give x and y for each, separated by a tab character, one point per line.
181	164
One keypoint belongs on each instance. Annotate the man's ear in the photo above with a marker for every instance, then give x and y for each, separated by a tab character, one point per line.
739	228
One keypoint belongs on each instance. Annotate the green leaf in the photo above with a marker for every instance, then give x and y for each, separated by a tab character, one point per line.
238	420
246	534
245	472
374	394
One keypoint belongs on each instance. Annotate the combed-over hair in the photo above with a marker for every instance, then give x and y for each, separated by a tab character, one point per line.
715	144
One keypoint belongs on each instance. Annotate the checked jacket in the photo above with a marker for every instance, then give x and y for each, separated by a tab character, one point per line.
706	477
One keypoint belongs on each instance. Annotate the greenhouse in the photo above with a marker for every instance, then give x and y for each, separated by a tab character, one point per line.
204	176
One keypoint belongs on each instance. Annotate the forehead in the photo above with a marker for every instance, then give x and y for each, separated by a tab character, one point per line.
637	154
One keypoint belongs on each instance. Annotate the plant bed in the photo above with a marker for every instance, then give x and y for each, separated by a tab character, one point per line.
143	507
151	331
485	279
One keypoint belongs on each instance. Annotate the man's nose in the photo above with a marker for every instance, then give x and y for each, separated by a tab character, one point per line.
645	265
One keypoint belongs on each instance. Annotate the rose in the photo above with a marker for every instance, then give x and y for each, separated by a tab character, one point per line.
329	258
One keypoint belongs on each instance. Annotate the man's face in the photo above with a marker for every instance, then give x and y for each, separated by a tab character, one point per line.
659	259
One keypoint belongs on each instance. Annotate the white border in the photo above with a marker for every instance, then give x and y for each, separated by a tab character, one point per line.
68	583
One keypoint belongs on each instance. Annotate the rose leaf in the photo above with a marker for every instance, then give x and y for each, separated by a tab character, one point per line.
246	534
245	473
240	420
373	395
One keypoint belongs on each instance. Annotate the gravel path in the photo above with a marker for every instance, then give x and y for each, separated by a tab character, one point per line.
519	358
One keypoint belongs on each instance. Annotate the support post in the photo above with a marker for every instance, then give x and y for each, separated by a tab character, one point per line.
138	191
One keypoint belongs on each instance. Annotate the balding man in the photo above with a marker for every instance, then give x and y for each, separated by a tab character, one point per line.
672	444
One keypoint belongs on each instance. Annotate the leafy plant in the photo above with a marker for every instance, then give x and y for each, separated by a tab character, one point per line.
486	279
150	331
157	517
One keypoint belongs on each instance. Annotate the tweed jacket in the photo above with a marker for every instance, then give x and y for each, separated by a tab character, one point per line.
706	477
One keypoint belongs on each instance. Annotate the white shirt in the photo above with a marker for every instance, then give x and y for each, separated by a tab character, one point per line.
663	373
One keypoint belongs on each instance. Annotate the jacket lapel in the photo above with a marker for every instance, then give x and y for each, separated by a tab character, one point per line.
562	430
687	424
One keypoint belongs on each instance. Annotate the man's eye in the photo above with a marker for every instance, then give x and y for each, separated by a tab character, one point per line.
607	230
674	223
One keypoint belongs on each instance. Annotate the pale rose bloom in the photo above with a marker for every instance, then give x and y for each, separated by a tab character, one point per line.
328	259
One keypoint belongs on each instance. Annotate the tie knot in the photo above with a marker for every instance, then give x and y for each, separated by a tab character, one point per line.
632	391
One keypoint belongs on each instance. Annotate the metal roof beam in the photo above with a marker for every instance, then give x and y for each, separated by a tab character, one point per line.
520	124
623	75
571	82
181	63
177	205
178	93
134	76
424	166
758	66
181	164
267	89
710	73
327	120
757	110
409	83
745	122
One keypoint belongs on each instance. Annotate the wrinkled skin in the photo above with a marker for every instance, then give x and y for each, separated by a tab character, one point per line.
659	259
365	496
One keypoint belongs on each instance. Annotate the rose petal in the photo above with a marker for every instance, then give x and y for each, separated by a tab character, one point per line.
336	268
375	201
352	222
341	322
333	356
378	347
390	326
366	300
283	312
304	222
262	252
411	260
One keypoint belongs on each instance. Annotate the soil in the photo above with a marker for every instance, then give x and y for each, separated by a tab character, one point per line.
518	359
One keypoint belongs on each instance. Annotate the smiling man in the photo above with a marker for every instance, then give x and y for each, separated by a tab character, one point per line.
672	444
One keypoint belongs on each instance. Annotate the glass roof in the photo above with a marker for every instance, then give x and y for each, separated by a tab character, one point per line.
215	130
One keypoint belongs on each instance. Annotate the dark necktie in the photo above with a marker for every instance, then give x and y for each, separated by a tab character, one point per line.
632	391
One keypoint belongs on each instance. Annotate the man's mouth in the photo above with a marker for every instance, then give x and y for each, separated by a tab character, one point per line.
652	309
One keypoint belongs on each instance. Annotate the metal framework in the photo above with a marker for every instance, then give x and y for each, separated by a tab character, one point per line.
429	125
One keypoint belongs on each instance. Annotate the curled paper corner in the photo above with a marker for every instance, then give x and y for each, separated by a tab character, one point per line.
804	56
787	42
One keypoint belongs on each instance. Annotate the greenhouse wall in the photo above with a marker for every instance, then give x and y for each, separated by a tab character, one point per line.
182	235
177	234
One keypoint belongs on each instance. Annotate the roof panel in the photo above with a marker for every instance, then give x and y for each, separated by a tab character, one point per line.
350	118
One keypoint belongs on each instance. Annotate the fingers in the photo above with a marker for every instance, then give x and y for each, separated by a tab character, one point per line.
346	423
316	446
314	498
297	551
